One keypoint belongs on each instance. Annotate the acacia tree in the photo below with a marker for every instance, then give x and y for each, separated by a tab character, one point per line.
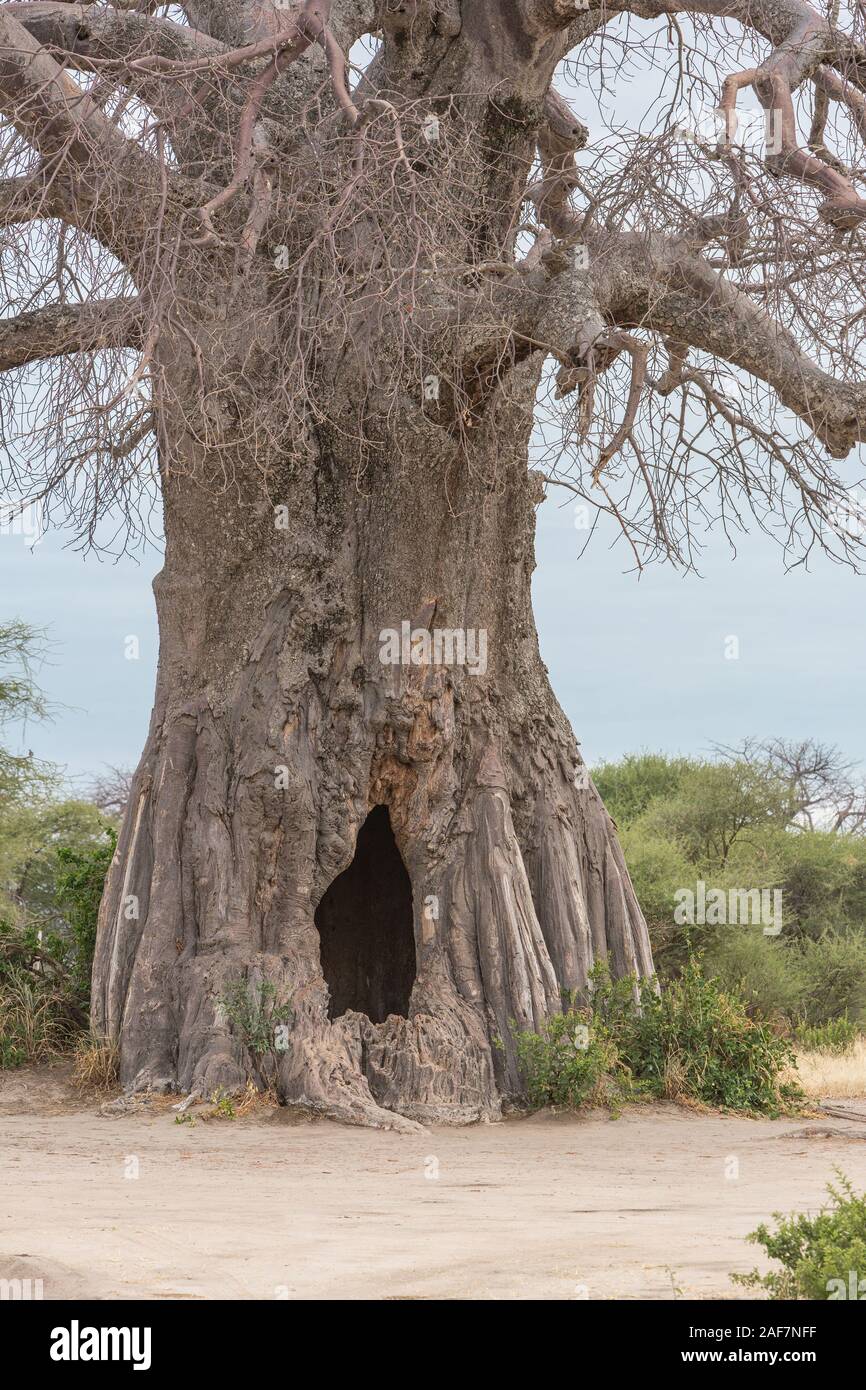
334	275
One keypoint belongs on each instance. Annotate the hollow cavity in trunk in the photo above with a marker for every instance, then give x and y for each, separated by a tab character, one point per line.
365	928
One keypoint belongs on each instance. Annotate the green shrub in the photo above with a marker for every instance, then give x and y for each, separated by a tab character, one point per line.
823	1256
695	1038
834	978
45	961
804	981
80	882
574	1061
688	1041
836	1036
762	971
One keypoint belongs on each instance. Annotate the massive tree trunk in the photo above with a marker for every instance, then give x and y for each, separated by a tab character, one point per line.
283	720
344	301
349	672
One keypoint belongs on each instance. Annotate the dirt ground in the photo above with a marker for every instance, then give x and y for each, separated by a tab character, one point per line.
654	1204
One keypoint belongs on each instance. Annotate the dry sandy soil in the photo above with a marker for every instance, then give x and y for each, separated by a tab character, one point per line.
654	1204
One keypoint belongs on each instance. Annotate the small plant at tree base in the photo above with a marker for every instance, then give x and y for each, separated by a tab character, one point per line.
254	1015
823	1256
574	1061
223	1107
95	1063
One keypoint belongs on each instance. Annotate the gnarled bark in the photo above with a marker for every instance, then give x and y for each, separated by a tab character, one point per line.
278	728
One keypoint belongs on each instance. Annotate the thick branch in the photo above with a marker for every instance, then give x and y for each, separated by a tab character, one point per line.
96	31
830	85
107	173
61	329
222	20
842	207
560	136
91	36
27	198
660	284
309	26
236	22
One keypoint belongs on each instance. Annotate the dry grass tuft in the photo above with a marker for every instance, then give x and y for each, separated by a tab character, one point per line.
35	1025
675	1082
833	1075
94	1066
234	1106
253	1099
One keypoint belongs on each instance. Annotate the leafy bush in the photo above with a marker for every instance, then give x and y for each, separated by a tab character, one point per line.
697	1033
54	853
762	971
836	1036
688	1041
79	891
834	978
574	1061
823	1256
36	1020
803	982
45	963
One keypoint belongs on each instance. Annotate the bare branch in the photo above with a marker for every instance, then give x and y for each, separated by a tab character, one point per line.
64	124
60	329
638	352
89	31
662	285
774	81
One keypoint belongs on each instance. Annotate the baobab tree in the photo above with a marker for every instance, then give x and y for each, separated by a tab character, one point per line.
352	282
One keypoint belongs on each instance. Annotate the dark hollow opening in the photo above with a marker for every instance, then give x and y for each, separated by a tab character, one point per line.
365	927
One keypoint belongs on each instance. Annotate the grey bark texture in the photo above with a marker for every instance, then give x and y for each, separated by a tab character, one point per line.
345	333
277	727
269	672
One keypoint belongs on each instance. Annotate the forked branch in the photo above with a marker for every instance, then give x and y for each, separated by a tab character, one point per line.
102	172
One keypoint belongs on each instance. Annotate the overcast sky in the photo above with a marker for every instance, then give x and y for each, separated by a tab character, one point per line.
636	663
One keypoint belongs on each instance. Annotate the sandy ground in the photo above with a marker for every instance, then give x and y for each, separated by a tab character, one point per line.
654	1204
